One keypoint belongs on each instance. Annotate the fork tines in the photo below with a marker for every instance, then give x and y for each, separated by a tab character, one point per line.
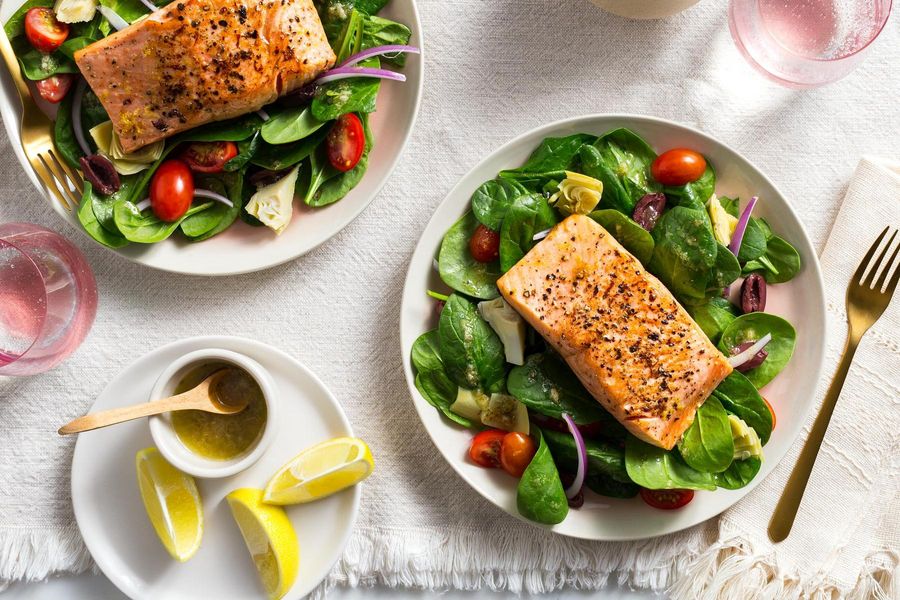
873	274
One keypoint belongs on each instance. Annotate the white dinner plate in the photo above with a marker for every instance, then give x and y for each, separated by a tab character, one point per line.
110	512
243	248
800	301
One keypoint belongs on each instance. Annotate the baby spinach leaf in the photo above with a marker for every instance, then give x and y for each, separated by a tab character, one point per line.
603	458
64	133
431	378
607	486
319	172
549	161
130	10
218	218
38	65
540	496
693	194
247	149
621	160
146	228
725	270
493	198
731	205
739	397
73	45
233	130
290	125
92	112
635	238
276	158
472	352
752	327
103	206
335	188
91	226
459	269
780	263
527	215
378	31
707	445
356	94
658	469
739	474
685	251
753	245
713	316
15	26
370	7
546	385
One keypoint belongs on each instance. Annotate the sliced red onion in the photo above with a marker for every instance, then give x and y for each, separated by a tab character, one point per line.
77	100
738	359
211	195
378	50
263	115
114	19
149	5
738	237
578	482
540	235
347	72
143	205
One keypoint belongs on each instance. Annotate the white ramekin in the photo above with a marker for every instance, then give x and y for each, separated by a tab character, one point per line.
166	439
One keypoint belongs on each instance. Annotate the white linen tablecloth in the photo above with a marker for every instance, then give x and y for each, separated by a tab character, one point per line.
494	69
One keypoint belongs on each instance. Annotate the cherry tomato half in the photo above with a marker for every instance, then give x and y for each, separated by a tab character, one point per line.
516	452
54	88
345	142
208	157
43	30
484	244
666	499
485	448
171	190
771	410
678	166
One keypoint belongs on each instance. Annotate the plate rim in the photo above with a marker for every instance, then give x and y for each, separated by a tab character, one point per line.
9	100
211	341
419	403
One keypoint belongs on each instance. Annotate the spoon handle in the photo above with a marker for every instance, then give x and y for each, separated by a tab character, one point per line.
126	413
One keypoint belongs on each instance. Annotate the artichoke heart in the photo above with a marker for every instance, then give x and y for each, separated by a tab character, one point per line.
722	222
75	11
126	164
746	440
273	204
578	194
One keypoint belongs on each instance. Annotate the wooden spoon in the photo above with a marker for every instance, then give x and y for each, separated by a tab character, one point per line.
203	397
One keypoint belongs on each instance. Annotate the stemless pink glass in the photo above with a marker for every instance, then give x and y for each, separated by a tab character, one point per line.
48	298
806	43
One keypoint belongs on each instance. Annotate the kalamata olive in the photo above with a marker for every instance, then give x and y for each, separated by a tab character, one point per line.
753	293
754	362
101	173
576	501
648	210
265	177
300	97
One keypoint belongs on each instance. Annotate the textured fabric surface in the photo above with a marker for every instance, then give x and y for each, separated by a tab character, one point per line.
493	70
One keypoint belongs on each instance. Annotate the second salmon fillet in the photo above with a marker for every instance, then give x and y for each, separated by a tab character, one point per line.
624	335
197	61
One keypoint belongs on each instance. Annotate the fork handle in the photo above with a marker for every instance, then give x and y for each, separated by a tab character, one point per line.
786	510
9	57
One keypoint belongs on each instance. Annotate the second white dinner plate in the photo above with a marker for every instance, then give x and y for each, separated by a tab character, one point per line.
111	515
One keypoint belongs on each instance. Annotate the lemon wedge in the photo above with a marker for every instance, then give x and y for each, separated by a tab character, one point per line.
172	502
320	471
270	538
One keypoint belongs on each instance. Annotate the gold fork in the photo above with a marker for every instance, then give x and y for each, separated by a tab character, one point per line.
867	299
36	132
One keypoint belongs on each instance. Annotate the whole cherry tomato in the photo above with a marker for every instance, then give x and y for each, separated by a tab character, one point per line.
208	157
43	30
171	190
345	142
484	244
516	452
678	166
485	448
54	88
667	499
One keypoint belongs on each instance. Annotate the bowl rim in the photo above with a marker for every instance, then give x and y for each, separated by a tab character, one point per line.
554	128
167	441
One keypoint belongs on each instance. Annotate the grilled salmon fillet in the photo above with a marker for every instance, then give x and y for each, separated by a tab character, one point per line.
635	349
196	61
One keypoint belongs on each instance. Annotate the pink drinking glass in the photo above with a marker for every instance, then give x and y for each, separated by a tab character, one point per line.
806	43
48	298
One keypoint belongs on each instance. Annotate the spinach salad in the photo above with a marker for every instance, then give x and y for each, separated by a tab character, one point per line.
483	368
313	143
